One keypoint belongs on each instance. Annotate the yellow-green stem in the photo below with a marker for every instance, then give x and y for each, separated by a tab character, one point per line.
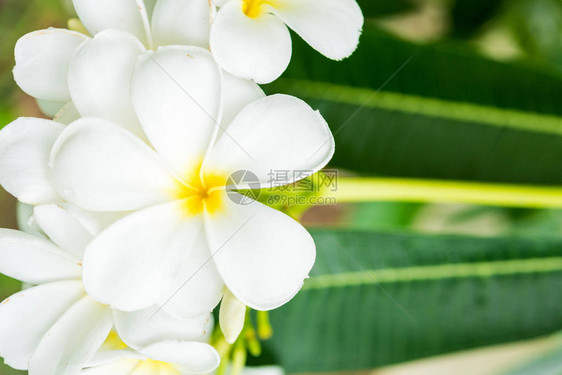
356	189
265	331
238	358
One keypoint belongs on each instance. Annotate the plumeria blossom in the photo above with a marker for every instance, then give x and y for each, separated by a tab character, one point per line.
134	363
162	358
250	39
25	148
119	31
187	240
54	327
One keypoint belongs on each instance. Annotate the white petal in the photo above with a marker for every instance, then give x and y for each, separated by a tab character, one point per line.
26	220
33	259
194	357
237	94
102	220
25	146
42	59
63	225
107	355
252	48
124	15
144	327
67	114
262	254
133	264
49	107
181	22
124	366
176	94
331	27
100	75
276	133
26	317
100	166
199	287
232	316
263	370
73	339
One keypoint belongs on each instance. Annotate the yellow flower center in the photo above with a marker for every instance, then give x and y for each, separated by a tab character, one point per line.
201	193
151	366
255	8
114	342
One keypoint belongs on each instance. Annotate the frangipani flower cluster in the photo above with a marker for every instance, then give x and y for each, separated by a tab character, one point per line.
138	232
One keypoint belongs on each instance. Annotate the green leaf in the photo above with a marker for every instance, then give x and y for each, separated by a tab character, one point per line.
382	215
377	8
468	16
375	299
537	25
444	112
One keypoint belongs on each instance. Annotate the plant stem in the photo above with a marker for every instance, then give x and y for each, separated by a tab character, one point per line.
355	189
265	331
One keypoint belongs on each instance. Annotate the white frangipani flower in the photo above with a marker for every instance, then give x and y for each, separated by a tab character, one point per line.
187	238
162	358
54	327
250	39
25	148
43	57
134	363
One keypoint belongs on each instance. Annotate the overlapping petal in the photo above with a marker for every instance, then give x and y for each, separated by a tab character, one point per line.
73	339
102	167
25	146
124	366
34	259
124	15
50	107
276	133
262	254
180	22
331	27
237	94
42	60
25	219
198	288
176	93
144	327
99	78
163	358
67	226
252	48
187	357
67	114
135	262
27	316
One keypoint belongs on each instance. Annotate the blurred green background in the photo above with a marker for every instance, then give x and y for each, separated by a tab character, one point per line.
503	54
